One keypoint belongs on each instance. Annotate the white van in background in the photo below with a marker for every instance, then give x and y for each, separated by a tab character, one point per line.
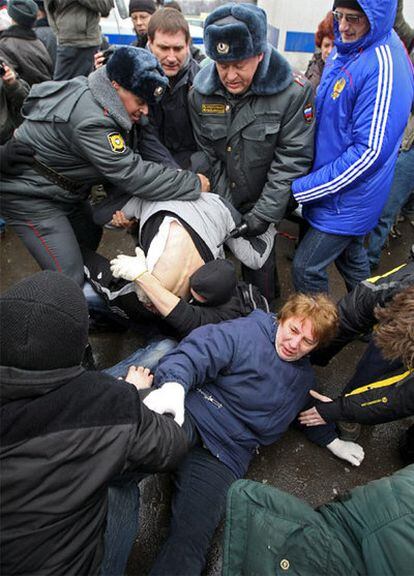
119	30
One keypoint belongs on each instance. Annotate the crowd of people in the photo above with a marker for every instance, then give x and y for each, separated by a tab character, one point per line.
200	157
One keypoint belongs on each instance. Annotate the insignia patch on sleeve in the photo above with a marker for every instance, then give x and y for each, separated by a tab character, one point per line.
116	142
308	113
213	108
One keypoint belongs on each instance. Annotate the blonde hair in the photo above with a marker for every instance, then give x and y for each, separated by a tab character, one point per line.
394	333
319	309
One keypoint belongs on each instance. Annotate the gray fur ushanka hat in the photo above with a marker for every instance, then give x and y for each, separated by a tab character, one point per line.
138	71
235	32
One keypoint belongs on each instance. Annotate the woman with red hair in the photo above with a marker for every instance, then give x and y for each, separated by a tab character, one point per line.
324	40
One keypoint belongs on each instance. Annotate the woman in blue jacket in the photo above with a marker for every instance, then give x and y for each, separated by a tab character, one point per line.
362	107
242	383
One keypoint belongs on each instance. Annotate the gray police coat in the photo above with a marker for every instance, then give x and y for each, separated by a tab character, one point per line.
259	142
79	129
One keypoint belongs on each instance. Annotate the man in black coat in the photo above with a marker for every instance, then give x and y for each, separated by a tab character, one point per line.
66	434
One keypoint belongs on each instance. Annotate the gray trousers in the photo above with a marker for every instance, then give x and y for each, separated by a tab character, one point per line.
55	234
72	61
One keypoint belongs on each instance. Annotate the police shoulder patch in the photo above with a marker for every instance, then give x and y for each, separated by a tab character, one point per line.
308	113
116	142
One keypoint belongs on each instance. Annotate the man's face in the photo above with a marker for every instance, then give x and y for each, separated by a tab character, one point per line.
353	30
140	21
237	77
295	338
172	51
134	105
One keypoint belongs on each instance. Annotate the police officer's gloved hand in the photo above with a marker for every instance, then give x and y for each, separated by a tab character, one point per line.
169	399
15	156
255	225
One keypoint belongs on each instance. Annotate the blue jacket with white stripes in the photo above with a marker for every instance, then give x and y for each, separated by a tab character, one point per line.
362	107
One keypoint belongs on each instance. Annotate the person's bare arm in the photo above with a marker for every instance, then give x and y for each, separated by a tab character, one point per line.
163	300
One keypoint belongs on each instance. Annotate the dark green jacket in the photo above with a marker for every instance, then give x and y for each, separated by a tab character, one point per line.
367	532
80	129
259	142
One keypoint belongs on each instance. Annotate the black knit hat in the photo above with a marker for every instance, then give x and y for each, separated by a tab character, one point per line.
138	71
23	12
44	323
215	281
142	6
351	4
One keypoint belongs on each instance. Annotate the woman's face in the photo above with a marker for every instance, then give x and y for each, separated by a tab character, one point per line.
326	47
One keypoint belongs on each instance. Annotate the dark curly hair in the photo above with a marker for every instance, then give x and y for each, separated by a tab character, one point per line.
394	333
325	28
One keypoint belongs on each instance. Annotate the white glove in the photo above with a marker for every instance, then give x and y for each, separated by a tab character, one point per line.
168	399
350	451
129	267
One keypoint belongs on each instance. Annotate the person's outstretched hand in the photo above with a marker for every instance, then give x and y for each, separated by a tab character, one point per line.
311	417
350	451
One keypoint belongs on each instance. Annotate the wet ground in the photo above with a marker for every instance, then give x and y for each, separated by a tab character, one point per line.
293	464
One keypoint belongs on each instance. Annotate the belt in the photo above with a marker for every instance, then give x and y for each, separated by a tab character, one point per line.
56	178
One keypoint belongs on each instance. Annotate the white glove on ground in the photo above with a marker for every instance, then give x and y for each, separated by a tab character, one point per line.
168	399
129	267
350	451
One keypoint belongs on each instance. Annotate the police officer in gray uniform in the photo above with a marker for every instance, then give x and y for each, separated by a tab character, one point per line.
253	118
78	129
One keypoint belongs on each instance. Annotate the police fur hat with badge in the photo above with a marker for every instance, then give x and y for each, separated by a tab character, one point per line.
138	71
235	32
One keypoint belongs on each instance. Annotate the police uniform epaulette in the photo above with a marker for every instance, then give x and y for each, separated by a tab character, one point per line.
299	78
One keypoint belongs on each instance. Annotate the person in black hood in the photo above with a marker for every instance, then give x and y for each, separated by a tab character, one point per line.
67	433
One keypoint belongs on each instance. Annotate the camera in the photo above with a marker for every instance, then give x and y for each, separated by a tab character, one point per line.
2	69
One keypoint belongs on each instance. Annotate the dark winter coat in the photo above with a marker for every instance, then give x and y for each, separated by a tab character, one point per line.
22	50
79	128
11	101
259	142
356	309
66	433
368	532
45	33
171	117
314	70
77	23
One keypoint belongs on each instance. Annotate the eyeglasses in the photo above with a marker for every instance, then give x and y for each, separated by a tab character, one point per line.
350	18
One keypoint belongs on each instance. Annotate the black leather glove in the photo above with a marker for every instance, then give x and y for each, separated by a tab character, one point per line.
255	225
15	156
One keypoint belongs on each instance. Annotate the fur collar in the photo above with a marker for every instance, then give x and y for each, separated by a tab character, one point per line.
107	97
273	75
17	31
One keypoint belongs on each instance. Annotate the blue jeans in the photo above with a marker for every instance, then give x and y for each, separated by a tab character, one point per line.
201	483
147	357
319	249
123	493
121	526
402	186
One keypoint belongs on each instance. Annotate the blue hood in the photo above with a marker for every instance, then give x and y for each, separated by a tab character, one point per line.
381	16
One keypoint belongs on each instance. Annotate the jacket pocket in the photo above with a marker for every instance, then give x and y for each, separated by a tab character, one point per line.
214	131
259	141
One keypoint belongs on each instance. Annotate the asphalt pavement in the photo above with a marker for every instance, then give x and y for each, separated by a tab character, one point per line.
293	464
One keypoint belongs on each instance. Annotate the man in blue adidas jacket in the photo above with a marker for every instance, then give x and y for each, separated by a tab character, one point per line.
243	383
362	107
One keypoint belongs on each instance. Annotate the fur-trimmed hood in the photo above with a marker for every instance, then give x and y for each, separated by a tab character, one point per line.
273	75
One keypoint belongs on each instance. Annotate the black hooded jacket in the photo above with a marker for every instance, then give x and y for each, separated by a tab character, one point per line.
65	434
